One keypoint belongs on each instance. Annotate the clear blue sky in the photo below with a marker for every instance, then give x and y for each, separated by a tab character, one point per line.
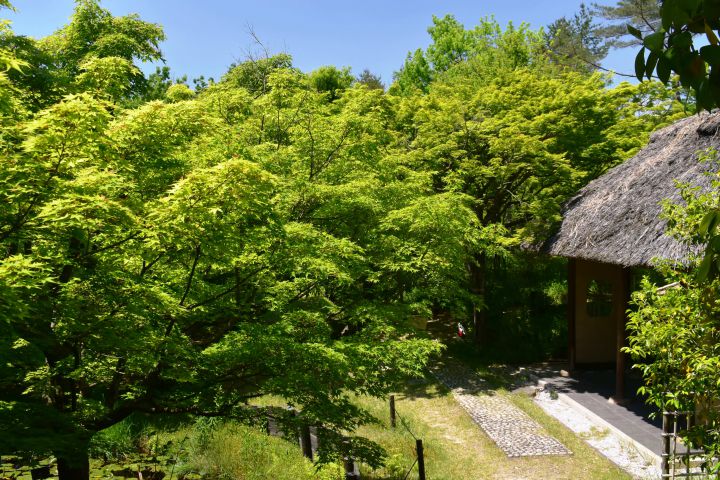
204	37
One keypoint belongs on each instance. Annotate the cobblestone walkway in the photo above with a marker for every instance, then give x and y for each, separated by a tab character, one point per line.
510	428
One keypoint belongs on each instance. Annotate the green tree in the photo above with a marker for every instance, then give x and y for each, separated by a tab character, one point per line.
108	76
331	80
415	74
520	144
179	92
54	62
253	73
182	258
455	52
508	126
451	43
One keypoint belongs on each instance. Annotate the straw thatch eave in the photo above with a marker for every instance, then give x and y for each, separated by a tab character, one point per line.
616	217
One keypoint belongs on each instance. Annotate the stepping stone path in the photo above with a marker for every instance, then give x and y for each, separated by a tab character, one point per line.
510	428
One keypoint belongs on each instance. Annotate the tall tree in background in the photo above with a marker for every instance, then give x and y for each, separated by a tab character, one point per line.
575	42
416	73
370	80
501	123
331	80
253	73
484	50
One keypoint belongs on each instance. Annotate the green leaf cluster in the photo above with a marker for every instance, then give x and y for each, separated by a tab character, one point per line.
670	48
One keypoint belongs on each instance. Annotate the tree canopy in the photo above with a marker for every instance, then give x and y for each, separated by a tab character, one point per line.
93	34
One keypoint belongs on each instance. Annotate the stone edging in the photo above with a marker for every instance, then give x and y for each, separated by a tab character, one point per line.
642	449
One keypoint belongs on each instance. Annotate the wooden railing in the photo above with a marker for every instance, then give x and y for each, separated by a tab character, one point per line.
678	459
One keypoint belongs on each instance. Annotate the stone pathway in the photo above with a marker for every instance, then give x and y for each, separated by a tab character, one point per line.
510	428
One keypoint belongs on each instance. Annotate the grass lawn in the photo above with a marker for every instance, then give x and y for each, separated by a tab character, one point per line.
456	448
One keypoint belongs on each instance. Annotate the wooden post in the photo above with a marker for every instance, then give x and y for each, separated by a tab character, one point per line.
571	311
392	411
350	470
420	459
621	336
306	441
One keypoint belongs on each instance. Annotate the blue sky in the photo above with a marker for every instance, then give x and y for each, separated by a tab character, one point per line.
203	38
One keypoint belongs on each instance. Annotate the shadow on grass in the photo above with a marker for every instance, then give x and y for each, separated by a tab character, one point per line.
476	370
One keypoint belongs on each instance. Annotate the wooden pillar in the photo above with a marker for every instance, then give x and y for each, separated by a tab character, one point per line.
571	311
621	336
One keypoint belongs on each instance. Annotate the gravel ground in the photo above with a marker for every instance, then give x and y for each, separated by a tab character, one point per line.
614	447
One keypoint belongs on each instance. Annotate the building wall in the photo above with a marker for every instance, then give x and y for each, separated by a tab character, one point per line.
599	301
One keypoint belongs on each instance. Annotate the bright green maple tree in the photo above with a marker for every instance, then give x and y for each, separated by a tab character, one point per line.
186	256
53	63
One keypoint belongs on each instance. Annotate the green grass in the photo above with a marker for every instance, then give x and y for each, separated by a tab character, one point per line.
211	449
457	449
239	452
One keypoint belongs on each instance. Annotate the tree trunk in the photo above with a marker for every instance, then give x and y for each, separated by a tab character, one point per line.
73	466
478	288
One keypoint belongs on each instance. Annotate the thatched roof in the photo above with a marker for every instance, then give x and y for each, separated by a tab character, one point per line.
616	217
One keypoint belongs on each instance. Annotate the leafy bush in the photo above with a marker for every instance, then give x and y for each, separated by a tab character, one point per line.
675	334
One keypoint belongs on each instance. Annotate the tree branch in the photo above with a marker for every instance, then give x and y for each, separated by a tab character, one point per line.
191	275
147	267
112	245
228	291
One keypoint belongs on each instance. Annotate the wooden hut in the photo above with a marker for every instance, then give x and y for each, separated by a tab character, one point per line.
614	225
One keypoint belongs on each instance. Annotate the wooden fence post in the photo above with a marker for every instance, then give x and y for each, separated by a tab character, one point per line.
420	459
667	429
392	411
351	470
